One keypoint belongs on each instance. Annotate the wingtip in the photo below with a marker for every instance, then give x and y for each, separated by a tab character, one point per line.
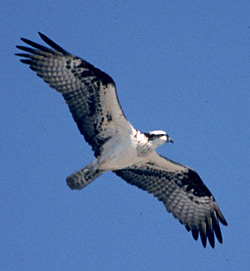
24	40
52	44
41	35
222	219
220	215
44	37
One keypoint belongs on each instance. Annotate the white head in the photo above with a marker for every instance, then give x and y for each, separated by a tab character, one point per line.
157	138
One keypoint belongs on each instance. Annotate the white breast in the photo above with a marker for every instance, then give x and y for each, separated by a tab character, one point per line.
122	151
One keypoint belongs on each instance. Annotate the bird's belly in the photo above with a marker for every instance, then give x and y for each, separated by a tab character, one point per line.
118	159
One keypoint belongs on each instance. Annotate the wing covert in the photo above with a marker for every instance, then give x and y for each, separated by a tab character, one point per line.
90	93
182	192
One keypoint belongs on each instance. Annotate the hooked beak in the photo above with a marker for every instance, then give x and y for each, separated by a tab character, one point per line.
169	139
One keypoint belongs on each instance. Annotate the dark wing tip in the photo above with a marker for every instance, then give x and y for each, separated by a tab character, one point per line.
221	217
22	55
195	234
203	238
41	34
52	44
209	228
204	235
26	61
211	240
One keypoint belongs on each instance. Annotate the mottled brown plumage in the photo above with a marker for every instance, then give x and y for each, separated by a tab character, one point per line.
91	97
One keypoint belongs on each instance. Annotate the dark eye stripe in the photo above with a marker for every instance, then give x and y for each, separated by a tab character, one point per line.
152	136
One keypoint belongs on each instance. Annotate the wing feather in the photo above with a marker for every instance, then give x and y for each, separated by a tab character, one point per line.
90	93
182	192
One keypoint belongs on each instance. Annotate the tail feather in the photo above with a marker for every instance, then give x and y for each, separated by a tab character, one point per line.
82	178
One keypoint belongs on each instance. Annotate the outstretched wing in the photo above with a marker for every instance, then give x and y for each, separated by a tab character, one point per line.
182	192
89	92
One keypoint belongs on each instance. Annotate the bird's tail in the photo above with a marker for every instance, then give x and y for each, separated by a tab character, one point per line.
83	177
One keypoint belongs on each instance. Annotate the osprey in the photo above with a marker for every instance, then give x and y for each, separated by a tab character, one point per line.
118	146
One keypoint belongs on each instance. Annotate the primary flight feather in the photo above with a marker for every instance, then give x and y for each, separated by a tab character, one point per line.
118	146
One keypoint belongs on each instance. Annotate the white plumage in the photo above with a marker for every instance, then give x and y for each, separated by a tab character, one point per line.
118	146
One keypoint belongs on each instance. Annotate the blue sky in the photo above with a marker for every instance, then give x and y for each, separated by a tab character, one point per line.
179	66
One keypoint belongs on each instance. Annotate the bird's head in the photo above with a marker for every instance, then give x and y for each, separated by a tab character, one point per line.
157	138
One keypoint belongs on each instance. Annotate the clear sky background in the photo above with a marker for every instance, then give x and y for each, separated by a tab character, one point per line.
179	66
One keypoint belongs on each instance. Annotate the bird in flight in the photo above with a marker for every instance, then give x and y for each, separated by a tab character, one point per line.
118	147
